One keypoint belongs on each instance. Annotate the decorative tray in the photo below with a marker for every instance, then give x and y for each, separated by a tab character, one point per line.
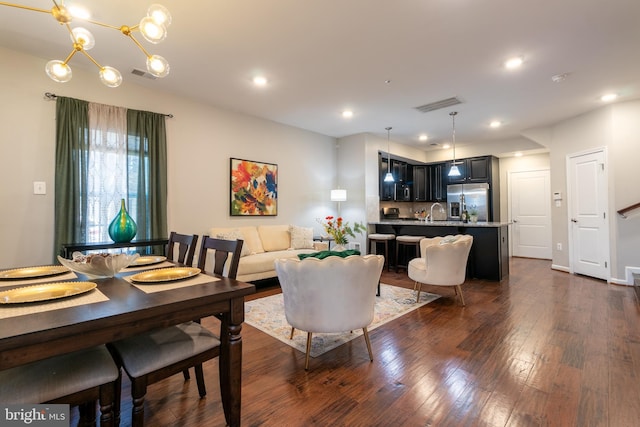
33	272
44	292
147	260
165	274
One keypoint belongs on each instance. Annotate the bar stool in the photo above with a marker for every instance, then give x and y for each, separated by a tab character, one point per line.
376	238
407	241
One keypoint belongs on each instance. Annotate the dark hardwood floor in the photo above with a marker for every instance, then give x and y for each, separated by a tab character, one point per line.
540	348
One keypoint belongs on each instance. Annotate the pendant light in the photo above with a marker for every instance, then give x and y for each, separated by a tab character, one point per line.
454	171
388	177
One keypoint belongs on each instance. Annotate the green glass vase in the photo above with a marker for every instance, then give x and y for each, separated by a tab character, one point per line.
122	228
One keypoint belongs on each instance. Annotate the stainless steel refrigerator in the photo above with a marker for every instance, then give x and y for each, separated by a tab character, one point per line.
475	197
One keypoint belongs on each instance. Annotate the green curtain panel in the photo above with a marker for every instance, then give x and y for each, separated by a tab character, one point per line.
146	144
72	157
148	141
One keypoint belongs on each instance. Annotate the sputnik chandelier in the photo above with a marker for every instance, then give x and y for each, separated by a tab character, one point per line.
153	28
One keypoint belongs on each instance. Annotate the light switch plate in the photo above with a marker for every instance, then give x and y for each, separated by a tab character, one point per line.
39	187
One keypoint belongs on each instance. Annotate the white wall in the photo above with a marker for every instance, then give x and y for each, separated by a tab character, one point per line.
201	139
617	128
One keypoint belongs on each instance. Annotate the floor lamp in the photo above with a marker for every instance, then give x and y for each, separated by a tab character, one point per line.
338	195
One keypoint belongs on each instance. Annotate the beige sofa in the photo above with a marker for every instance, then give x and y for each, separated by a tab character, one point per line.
264	244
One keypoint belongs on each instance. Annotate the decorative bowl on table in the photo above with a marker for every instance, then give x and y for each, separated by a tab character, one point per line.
98	265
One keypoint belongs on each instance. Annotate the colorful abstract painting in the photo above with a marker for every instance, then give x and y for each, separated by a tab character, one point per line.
254	188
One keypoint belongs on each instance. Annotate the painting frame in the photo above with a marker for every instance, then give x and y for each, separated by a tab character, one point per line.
253	188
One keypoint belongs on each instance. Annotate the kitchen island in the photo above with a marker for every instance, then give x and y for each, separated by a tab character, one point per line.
489	256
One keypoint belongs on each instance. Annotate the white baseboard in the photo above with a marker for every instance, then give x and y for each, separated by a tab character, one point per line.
629	274
560	268
619	282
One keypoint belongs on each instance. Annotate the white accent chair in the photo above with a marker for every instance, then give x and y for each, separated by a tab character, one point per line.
442	262
330	295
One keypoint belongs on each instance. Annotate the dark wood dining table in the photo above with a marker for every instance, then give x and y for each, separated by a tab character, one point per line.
130	311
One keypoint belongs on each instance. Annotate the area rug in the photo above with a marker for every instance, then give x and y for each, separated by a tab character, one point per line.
267	315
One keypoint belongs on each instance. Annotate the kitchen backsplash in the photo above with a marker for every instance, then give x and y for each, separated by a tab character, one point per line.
408	210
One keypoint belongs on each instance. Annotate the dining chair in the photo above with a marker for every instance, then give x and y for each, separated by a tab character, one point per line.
226	256
79	378
159	354
186	244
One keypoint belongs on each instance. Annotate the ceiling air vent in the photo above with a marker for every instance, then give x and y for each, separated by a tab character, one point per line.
141	73
444	103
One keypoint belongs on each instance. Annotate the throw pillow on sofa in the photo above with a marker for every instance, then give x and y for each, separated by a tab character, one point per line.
234	234
274	237
301	237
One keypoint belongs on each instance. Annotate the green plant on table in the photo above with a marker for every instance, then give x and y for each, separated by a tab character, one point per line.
339	229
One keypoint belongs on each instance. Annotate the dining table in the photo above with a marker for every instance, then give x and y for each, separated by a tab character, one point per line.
119	307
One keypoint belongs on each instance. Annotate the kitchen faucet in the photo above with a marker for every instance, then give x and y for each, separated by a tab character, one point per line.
432	206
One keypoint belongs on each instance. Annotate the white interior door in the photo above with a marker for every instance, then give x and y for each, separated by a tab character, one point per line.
588	226
530	213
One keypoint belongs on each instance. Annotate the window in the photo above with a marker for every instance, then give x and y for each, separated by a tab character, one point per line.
105	154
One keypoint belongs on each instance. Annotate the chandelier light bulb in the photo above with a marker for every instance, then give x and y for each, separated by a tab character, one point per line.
110	77
84	37
152	31
79	12
158	66
58	71
159	14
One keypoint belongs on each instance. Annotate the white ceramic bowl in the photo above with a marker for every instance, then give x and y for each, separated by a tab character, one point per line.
98	265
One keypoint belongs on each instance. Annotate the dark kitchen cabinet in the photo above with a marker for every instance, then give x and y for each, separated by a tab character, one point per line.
437	184
420	180
387	189
474	169
400	170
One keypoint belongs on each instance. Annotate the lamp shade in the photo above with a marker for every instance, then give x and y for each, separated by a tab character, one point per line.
338	195
454	171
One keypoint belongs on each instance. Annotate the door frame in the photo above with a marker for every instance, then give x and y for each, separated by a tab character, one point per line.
510	212
570	213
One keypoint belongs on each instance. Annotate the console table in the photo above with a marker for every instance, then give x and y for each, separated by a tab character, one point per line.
69	248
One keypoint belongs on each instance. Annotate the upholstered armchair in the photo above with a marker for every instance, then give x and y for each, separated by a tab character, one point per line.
330	295
442	262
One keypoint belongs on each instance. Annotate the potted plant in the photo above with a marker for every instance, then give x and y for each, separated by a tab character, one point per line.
339	230
473	214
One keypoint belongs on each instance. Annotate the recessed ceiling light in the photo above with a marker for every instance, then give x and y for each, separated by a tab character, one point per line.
495	124
347	114
518	154
513	63
445	146
609	97
260	81
423	137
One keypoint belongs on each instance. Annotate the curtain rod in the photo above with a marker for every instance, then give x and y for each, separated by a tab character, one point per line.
53	96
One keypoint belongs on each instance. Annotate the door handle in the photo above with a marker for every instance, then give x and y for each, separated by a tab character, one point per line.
574	220
515	220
